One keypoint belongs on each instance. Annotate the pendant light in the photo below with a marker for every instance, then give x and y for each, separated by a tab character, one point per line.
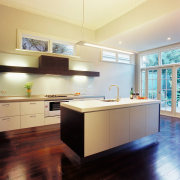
83	43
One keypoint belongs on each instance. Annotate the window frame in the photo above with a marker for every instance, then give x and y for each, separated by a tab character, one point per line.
117	57
22	33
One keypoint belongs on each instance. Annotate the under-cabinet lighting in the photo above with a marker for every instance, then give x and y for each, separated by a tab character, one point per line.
79	79
16	76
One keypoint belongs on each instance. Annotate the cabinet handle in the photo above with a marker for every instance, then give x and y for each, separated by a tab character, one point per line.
4	119
32	116
32	103
5	104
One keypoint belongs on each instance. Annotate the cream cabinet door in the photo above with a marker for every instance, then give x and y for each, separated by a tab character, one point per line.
119	127
32	120
32	107
52	120
137	122
152	118
9	109
96	132
9	123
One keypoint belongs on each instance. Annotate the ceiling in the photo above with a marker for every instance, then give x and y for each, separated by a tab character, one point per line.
97	12
150	35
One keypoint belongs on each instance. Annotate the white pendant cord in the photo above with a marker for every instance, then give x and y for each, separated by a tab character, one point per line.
82	27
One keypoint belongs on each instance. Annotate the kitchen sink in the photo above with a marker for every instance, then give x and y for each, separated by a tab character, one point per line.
109	100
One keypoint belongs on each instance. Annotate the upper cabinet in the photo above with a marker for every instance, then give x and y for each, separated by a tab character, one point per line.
49	65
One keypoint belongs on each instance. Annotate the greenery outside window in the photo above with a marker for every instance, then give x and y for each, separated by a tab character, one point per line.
170	57
34	44
149	60
61	48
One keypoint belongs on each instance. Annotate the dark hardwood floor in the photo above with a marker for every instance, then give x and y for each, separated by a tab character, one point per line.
38	154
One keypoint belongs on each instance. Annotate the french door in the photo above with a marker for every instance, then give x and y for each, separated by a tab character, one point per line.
157	83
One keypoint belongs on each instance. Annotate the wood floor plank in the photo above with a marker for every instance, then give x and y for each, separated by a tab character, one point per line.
38	153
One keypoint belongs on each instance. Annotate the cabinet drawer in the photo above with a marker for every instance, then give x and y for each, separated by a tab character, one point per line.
33	107
9	109
9	123
52	120
32	120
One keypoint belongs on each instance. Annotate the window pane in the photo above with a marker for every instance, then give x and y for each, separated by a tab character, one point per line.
109	56
163	74
169	84
178	106
123	57
172	56
155	74
168	105
163	84
150	84
63	49
169	94
143	93
155	94
143	85
143	75
154	84
178	73
163	95
150	74
150	94
34	44
150	60
163	105
169	73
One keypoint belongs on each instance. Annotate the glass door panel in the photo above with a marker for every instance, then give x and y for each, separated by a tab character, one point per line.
152	84
178	91
166	89
143	83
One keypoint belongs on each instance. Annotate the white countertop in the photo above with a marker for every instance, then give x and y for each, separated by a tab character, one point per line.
99	105
7	99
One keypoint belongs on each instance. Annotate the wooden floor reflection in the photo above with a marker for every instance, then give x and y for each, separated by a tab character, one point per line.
38	154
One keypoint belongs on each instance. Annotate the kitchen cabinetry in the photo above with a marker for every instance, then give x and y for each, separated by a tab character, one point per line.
52	120
96	132
32	120
152	113
9	123
137	122
9	116
119	127
9	109
34	107
32	114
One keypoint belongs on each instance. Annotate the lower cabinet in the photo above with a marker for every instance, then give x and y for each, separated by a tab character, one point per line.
152	116
52	120
96	132
137	122
119	127
9	123
32	120
107	129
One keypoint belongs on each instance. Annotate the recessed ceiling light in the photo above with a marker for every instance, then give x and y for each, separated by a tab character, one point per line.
120	42
169	38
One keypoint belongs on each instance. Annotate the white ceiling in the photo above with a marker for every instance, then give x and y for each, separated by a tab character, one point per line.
97	12
150	35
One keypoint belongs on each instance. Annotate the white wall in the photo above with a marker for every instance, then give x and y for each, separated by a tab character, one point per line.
13	84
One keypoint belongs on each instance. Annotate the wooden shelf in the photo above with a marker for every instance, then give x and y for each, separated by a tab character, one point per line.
61	67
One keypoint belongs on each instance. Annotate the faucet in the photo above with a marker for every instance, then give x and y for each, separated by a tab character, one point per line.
117	99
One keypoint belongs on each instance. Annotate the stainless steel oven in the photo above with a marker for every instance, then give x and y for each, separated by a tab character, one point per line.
53	108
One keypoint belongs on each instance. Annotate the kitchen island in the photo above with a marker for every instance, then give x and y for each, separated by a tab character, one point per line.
93	126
